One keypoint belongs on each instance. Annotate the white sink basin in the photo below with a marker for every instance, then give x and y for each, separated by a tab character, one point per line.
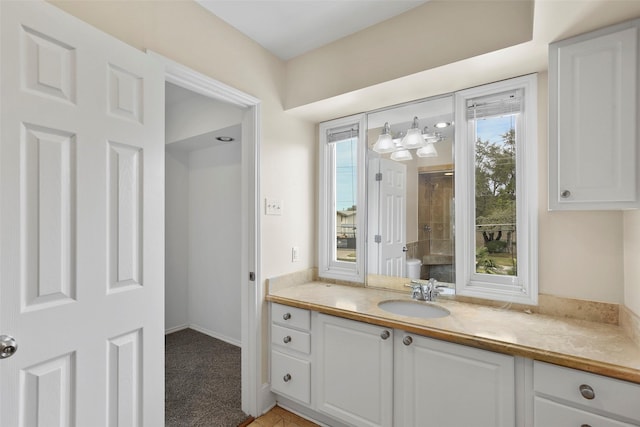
413	309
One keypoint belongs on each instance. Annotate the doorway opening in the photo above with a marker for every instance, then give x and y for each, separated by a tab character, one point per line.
237	105
202	258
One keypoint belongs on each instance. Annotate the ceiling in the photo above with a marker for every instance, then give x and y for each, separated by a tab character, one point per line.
290	28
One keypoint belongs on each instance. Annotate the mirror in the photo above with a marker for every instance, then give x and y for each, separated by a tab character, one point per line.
410	193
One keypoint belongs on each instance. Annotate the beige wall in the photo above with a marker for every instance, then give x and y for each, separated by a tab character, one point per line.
632	260
185	32
580	253
431	35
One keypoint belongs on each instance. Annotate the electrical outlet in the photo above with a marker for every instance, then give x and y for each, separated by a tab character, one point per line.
272	207
295	254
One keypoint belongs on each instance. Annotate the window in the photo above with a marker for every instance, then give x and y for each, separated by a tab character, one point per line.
341	235
496	206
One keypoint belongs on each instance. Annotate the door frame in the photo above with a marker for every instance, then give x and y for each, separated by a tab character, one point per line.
251	290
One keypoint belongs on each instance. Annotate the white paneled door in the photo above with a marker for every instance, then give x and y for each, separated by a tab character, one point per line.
392	217
81	224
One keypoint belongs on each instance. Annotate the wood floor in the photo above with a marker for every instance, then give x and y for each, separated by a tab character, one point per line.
278	417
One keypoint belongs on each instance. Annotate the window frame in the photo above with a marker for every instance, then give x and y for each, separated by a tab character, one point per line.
522	288
327	266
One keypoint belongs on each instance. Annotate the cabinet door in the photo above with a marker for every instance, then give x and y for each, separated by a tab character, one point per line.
440	384
593	83
353	371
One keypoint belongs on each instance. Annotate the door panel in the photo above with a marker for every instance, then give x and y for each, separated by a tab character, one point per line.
393	193
81	224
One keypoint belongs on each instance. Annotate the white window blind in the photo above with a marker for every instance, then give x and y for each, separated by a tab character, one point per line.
501	104
342	133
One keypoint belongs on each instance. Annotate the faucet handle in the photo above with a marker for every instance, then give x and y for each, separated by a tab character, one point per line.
417	289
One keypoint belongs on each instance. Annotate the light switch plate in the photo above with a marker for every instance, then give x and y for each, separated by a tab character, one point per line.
272	207
295	254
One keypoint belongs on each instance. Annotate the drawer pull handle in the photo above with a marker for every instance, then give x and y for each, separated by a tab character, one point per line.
287	378
587	392
385	334
286	316
585	425
407	340
286	339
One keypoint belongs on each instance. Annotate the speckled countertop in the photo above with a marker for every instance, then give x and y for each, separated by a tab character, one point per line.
590	346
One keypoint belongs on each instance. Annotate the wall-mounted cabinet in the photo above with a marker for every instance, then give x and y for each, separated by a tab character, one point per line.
593	120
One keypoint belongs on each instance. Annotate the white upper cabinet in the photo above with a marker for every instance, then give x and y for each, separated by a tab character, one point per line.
593	120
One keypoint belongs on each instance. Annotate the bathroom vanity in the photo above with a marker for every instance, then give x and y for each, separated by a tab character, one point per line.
337	357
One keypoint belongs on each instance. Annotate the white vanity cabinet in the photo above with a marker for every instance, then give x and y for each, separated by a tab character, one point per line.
291	352
593	120
568	397
441	384
353	371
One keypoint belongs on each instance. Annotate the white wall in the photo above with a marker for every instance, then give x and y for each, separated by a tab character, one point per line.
202	273
177	240
214	241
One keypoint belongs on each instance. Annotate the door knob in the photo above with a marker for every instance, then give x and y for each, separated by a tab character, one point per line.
8	346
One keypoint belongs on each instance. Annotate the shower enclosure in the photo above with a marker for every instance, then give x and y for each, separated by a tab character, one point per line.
435	225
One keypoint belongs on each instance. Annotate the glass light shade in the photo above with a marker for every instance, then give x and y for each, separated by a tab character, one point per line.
401	155
428	150
413	138
385	143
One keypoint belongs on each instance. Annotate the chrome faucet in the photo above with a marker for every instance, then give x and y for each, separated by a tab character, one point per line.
424	291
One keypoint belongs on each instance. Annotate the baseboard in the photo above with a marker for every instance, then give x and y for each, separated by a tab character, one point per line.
309	414
175	329
267	400
216	335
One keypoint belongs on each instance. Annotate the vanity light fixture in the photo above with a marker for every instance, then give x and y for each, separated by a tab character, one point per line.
385	143
413	138
401	155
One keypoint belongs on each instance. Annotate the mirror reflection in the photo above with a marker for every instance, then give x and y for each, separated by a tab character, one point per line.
410	193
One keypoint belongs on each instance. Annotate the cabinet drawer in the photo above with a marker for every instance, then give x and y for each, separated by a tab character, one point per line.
291	338
291	376
610	395
291	316
548	413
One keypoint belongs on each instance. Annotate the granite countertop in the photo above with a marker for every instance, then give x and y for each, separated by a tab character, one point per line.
590	346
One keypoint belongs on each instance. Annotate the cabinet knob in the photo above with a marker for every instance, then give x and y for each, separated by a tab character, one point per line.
565	193
287	378
286	316
286	339
587	392
407	340
385	334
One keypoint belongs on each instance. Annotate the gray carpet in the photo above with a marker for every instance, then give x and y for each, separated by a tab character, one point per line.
202	381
